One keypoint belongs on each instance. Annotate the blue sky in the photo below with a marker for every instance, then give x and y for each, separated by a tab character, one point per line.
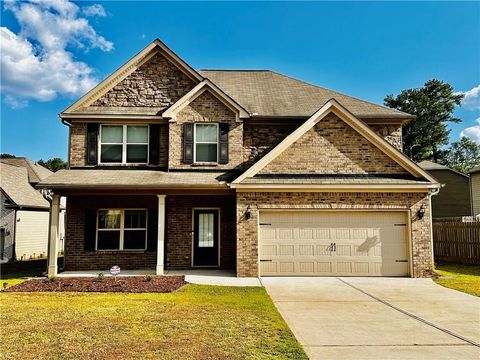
362	49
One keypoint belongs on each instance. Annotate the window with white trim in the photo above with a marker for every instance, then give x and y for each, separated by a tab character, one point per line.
206	142
124	144
121	229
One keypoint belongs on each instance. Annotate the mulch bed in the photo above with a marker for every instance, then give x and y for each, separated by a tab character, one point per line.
125	284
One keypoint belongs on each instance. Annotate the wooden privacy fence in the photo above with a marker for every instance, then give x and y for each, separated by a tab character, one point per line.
457	241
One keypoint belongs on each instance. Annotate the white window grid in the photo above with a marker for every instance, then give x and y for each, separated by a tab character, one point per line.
195	142
124	144
122	229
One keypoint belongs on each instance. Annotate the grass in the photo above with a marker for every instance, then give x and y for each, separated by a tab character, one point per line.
459	277
16	278
196	322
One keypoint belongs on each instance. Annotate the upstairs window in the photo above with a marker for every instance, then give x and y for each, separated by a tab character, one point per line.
124	144
206	143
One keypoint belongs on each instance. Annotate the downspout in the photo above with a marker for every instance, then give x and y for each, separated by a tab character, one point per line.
432	192
66	123
14	244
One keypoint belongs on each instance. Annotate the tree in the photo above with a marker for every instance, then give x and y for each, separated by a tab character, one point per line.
463	155
6	156
433	104
53	164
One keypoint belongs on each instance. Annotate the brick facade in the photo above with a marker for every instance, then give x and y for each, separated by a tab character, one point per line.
156	83
247	230
77	258
180	226
78	145
259	139
206	108
333	147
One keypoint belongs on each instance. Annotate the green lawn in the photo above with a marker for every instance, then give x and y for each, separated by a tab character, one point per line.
16	278
196	322
464	278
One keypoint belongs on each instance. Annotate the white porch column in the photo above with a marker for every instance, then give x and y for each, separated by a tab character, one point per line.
161	233
54	235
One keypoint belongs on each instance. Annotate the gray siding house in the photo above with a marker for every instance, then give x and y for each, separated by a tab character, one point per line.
454	199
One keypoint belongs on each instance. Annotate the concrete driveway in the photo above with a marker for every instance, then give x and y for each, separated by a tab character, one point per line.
378	318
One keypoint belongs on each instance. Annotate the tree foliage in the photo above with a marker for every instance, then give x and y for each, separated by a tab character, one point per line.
463	155
6	156
53	164
433	104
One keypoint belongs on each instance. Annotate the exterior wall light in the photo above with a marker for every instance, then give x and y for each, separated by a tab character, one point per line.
421	212
248	213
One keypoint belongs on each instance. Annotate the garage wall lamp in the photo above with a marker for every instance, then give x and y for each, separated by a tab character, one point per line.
248	213
421	212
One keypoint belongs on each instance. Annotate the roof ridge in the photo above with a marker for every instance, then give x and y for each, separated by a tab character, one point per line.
336	92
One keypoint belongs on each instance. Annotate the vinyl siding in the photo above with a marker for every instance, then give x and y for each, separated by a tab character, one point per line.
31	234
475	180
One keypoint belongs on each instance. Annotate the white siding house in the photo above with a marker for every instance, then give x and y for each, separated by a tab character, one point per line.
24	216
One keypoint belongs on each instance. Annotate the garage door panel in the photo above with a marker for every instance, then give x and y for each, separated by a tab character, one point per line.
300	243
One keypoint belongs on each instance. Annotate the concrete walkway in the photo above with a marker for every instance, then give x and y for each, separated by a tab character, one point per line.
202	277
378	318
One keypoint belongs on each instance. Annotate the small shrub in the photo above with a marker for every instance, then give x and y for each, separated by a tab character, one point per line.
5	285
101	277
148	277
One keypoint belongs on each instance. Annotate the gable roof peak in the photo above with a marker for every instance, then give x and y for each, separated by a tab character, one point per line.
334	106
129	67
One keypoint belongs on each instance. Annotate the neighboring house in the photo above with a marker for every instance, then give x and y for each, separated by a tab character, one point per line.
253	171
454	198
475	190
24	214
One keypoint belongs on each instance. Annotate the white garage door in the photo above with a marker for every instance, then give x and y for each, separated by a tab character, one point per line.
344	243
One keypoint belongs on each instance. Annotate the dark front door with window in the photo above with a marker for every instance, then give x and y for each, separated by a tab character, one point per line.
205	238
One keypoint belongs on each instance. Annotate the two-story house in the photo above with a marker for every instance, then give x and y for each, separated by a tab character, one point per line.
253	171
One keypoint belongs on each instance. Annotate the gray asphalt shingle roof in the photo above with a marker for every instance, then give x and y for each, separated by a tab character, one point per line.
14	182
36	172
132	178
268	93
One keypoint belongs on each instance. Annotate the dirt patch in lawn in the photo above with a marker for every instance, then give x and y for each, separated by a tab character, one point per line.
130	284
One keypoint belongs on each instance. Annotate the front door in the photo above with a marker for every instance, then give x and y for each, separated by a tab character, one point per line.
205	238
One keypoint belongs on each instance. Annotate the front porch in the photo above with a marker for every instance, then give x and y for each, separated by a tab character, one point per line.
145	233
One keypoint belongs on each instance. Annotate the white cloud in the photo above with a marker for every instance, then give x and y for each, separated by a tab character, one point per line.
38	63
471	100
15	103
94	10
473	132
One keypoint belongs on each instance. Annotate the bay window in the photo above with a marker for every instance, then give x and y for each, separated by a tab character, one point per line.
206	142
124	144
121	229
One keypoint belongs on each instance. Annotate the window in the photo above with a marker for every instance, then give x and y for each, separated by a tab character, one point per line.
206	229
123	144
206	142
122	229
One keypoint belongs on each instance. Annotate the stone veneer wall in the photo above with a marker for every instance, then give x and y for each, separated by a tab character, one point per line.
333	147
78	145
247	230
206	108
156	83
180	226
76	258
391	133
